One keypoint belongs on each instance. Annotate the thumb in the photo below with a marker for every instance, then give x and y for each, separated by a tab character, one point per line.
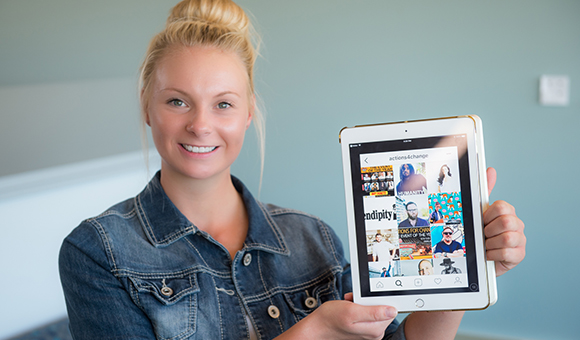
491	178
376	313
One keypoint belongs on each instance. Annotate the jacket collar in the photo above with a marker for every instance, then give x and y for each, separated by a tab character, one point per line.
164	224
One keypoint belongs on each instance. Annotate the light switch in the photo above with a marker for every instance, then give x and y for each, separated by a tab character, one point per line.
554	90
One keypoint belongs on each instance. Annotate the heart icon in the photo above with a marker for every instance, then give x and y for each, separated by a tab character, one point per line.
437	280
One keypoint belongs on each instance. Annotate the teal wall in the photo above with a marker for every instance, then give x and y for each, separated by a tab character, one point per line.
330	64
326	65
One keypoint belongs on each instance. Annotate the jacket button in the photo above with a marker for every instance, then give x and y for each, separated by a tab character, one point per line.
274	312
166	291
247	259
311	302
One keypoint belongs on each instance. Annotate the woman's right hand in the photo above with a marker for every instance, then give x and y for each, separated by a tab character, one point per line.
343	320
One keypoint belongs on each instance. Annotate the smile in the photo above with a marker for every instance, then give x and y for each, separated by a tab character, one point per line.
198	149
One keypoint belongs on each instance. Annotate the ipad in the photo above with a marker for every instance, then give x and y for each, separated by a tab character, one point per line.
415	193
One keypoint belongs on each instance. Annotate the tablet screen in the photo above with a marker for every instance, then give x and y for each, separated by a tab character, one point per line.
413	216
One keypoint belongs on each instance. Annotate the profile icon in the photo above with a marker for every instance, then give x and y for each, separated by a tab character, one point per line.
410	182
425	268
449	269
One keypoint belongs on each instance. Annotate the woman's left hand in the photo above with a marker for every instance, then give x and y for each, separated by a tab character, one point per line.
504	232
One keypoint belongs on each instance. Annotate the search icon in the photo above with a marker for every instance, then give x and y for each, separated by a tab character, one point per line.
398	283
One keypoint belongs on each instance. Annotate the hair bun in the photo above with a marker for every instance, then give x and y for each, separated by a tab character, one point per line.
219	24
221	13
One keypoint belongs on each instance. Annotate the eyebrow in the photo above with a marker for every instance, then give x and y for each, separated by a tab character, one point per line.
226	93
173	89
186	94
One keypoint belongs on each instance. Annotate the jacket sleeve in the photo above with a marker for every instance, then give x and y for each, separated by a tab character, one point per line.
98	305
395	331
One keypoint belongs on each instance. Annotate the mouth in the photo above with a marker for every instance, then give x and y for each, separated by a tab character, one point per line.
198	149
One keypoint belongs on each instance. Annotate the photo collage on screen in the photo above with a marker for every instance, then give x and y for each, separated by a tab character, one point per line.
378	181
413	219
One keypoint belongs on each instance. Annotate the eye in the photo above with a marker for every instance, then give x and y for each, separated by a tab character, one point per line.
223	105
177	102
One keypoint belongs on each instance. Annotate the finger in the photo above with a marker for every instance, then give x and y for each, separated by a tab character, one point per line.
369	330
506	258
348	297
504	224
491	178
510	239
371	321
362	314
498	208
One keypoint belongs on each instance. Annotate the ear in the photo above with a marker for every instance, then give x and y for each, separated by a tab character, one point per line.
252	109
144	110
146	117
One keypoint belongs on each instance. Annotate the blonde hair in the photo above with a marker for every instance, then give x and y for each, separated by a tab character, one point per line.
216	23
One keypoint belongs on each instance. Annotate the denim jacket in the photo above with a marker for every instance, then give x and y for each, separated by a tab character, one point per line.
141	270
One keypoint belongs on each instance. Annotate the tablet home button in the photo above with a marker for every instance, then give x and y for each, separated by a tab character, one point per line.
419	303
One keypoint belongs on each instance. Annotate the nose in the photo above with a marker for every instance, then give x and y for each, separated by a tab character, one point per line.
199	123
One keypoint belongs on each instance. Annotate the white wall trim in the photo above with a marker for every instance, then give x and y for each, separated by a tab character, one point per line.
26	183
37	210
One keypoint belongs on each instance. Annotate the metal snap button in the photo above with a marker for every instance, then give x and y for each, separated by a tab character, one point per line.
274	312
166	291
311	302
247	259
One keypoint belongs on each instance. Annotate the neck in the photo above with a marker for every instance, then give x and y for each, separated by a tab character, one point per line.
212	205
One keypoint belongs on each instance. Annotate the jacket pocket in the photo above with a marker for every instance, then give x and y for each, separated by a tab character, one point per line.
170	303
304	301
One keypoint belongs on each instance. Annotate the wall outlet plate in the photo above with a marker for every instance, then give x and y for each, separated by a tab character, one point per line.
554	90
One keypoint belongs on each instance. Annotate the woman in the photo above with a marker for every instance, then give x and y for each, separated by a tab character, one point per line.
444	179
195	256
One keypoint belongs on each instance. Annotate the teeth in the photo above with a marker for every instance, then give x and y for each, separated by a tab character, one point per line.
198	149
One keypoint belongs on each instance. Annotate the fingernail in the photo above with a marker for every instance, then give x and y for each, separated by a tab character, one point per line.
390	312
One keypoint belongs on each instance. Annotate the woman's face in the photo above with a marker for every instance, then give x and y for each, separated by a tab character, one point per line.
199	111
